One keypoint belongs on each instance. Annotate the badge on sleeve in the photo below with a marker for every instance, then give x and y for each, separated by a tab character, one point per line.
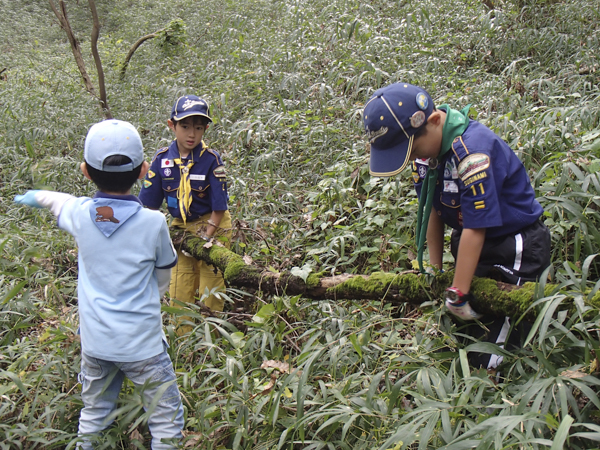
147	183
219	172
166	163
151	174
472	164
415	173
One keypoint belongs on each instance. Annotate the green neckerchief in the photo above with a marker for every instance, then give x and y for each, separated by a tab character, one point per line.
455	125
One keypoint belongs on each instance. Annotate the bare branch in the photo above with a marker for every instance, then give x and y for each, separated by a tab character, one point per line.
65	25
94	43
134	47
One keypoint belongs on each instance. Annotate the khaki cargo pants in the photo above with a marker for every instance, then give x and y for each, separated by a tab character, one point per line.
191	277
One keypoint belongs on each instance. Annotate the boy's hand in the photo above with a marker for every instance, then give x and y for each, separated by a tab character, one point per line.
458	304
28	199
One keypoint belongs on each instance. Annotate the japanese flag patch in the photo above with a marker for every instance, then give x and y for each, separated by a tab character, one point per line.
166	163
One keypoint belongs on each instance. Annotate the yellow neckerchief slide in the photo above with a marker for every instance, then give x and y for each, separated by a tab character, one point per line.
184	193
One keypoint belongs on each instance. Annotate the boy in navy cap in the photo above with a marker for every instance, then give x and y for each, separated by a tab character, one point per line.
125	259
191	178
467	178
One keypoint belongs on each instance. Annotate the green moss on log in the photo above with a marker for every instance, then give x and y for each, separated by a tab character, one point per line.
313	280
409	287
234	269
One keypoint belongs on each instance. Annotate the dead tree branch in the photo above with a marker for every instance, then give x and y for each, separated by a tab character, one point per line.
492	297
98	61
61	15
134	47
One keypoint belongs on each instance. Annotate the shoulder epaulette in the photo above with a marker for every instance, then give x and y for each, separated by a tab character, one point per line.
214	153
160	151
459	148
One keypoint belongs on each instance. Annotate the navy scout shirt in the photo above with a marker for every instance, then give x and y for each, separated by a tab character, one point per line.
207	178
481	184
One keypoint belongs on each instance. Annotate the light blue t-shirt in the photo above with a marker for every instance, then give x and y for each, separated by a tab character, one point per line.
120	246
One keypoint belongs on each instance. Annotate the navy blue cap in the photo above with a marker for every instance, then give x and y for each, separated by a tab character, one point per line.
190	105
109	138
391	117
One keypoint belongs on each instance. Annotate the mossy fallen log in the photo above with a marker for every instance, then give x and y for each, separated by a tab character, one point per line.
492	297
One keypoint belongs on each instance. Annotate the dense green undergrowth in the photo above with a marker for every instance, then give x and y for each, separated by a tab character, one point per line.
287	81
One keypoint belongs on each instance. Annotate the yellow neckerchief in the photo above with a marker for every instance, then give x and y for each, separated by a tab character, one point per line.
184	192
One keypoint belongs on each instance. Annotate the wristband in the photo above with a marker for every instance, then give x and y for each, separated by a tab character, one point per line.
456	297
458	304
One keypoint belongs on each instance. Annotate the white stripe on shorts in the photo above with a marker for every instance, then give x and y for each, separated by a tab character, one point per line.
496	360
518	251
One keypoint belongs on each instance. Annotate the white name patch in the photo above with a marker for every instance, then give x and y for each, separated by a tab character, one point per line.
450	186
197	177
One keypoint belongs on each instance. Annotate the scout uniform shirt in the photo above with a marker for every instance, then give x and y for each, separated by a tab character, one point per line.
206	175
481	184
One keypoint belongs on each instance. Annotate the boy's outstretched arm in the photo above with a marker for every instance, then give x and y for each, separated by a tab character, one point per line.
44	199
469	250
435	239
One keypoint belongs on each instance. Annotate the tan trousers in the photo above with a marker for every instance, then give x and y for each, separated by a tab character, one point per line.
191	276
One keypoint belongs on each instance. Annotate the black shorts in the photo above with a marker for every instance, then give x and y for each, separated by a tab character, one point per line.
516	258
496	330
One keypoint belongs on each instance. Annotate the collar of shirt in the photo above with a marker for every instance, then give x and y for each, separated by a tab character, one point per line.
130	198
173	151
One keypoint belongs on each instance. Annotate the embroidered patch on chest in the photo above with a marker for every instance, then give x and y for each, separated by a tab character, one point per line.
197	177
450	186
420	166
473	164
166	163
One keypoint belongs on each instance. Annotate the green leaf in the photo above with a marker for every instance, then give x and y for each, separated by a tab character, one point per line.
562	433
264	313
13	292
303	272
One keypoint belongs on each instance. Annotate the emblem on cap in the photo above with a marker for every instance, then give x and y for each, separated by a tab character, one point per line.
422	101
417	119
190	103
373	135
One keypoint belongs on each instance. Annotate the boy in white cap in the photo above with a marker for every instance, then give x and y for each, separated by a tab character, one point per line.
125	257
191	178
470	180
